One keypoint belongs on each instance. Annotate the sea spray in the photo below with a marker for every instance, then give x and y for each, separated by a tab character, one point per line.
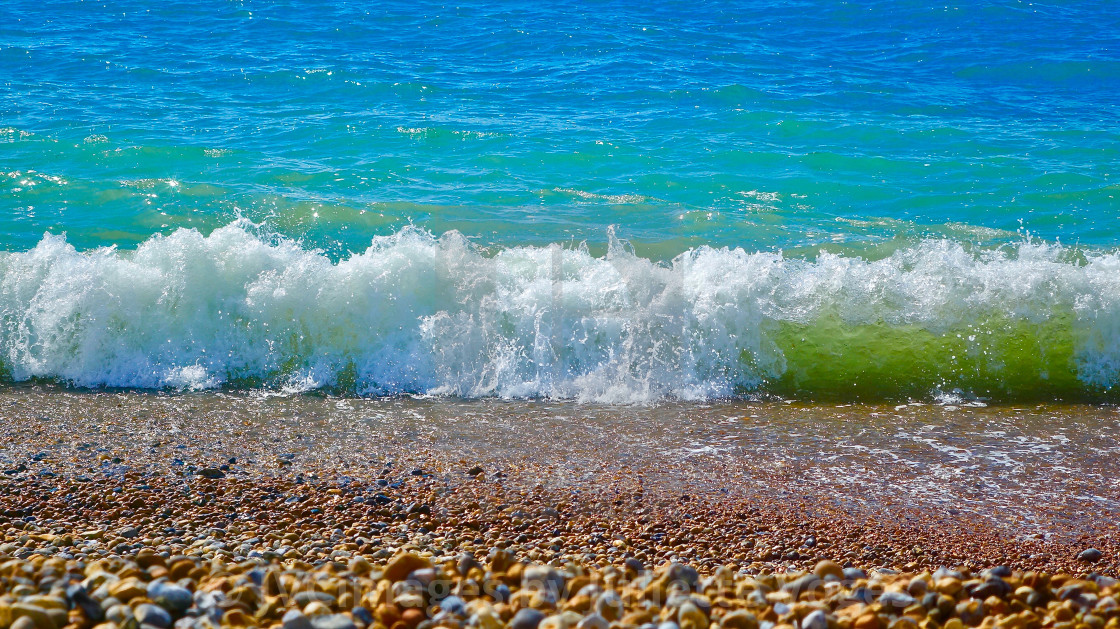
416	313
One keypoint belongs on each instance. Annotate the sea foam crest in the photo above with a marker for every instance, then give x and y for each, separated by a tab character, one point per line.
417	313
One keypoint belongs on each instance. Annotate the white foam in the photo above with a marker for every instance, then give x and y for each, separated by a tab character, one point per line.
417	313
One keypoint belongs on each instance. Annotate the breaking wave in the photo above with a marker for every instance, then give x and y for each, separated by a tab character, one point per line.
416	313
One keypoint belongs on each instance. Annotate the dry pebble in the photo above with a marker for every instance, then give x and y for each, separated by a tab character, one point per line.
240	553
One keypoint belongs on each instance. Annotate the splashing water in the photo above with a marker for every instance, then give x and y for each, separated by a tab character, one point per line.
416	313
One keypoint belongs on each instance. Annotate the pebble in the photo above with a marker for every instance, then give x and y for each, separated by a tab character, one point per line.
993	586
32	613
689	616
803	584
917	587
363	615
684	574
943	572
815	620
546	577
526	619
306	597
826	568
173	598
453	605
593	621
294	619
1090	555
149	614
897	600
739	619
404	564
119	614
81	599
333	621
609	606
971	612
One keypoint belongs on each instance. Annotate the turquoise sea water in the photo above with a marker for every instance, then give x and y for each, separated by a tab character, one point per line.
591	200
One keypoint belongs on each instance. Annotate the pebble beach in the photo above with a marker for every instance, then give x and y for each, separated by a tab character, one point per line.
157	533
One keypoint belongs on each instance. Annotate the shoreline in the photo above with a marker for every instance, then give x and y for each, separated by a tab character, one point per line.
1022	474
413	520
752	504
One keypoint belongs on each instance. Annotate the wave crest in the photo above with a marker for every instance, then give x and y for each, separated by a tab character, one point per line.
415	313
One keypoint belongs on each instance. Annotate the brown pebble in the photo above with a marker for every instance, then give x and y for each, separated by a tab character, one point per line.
866	621
412	617
826	567
403	565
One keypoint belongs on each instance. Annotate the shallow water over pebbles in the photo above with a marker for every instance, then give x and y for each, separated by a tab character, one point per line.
1037	472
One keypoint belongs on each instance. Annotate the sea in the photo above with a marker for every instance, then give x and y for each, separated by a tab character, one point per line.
604	202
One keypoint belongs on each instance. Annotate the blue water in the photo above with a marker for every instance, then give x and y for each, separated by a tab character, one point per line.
956	165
